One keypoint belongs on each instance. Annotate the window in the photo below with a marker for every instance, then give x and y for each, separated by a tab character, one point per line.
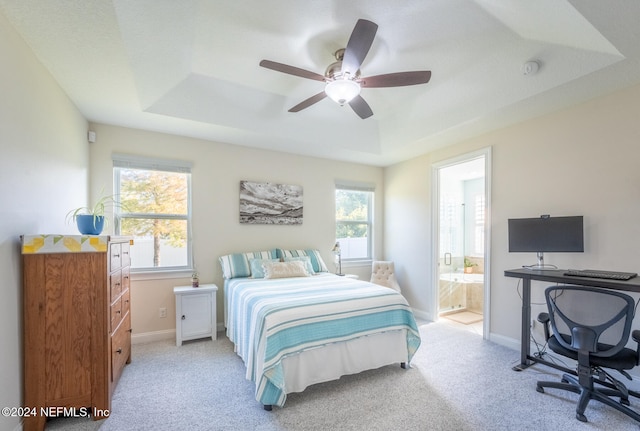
354	221
155	209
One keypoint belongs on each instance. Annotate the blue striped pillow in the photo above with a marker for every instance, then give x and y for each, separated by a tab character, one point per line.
237	264
314	256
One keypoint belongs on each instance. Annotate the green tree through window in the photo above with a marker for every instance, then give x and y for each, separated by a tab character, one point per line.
155	211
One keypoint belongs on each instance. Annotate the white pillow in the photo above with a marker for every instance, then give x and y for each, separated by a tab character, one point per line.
304	259
257	270
285	269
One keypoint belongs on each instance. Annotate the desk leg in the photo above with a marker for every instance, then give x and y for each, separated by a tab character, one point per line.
525	333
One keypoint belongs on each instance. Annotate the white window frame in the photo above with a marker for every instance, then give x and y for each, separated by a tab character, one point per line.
370	189
126	161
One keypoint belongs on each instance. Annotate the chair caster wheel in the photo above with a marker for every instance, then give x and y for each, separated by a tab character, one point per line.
540	389
581	417
625	401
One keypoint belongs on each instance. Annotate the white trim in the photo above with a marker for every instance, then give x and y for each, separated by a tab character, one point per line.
150	163
357	263
370	222
164	274
487	242
355	185
124	161
166	334
423	315
149	337
435	232
509	342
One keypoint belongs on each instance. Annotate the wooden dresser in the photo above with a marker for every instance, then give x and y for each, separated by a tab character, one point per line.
77	324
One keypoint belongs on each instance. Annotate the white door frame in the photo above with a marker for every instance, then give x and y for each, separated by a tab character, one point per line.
435	234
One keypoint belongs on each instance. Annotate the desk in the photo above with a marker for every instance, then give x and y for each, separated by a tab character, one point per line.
554	276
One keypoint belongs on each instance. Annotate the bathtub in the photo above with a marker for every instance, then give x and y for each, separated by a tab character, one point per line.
459	291
461	277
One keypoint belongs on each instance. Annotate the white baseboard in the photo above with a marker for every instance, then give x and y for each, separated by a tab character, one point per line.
167	334
148	337
422	315
509	342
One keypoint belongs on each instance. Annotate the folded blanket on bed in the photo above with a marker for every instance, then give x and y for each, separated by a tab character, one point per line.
270	319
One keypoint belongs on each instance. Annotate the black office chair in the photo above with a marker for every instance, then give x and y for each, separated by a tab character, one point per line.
592	326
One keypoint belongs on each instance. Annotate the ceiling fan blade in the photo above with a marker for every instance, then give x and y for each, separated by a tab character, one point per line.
361	107
358	46
398	79
308	102
296	71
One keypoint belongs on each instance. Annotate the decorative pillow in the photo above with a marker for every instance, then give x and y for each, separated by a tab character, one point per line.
237	264
284	269
314	255
304	259
257	271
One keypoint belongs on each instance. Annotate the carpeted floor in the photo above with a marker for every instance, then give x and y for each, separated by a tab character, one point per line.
457	382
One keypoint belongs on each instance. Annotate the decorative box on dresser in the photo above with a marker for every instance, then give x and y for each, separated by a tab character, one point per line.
77	323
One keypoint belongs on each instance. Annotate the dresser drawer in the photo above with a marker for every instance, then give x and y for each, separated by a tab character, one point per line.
125	278
125	256
125	302
116	314
115	256
120	348
115	284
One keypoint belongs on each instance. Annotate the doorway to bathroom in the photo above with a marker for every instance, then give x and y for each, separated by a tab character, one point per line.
461	203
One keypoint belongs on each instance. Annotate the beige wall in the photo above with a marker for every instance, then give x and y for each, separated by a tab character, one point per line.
216	174
580	161
43	174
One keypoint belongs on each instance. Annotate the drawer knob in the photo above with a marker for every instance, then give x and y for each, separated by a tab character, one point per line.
184	317
119	351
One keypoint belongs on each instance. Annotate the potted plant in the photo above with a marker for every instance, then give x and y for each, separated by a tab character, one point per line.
468	265
195	281
92	220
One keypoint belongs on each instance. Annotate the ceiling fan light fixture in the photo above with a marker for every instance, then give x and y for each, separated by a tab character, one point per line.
342	90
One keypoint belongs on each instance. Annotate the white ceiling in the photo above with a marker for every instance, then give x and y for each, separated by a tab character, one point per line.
190	67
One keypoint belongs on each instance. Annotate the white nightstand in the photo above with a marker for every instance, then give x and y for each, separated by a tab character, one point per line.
195	312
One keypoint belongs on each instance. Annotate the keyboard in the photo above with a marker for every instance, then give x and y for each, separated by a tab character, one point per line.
594	273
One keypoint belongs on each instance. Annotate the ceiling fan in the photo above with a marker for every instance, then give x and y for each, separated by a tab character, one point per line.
342	78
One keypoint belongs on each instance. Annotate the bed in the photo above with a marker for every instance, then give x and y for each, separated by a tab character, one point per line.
293	331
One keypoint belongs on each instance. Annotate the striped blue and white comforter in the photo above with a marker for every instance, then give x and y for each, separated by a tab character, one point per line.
269	319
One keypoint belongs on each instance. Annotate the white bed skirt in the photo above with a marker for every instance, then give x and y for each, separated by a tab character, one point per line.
332	361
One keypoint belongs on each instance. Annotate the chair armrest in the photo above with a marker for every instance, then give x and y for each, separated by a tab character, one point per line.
544	319
636	337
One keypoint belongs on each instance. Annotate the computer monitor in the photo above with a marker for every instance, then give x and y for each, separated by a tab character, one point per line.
546	234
